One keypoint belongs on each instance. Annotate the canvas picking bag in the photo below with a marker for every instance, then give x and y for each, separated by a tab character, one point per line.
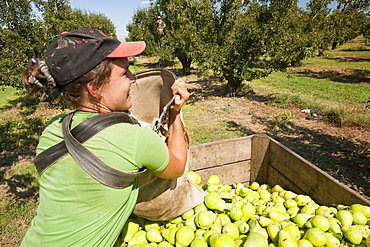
160	199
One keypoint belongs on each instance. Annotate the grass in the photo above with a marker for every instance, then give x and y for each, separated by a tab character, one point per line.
322	84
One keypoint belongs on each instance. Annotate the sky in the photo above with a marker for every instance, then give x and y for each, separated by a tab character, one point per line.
120	12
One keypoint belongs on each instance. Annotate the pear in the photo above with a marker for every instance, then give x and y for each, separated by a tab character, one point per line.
165	244
353	235
256	239
277	188
278	217
331	240
254	186
264	221
184	236
345	217
304	243
361	208
367	241
149	224
198	242
188	214
301	218
244	191
335	225
193	176
273	231
207	234
256	227
205	219
200	232
212	199
320	222
138	238
213	179
231	229
153	235
224	218
217	225
170	235
302	200
243	226
222	240
286	240
293	230
236	213
199	208
190	222
248	211
212	188
277	199
293	211
130	228
315	236
265	195
289	195
324	211
359	218
176	220
290	203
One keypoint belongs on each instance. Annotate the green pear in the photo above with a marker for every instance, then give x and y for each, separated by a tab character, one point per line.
265	195
304	243
256	239
184	236
138	238
130	228
256	227
212	199
359	218
213	179
335	225
353	235
324	211
217	225
286	240
345	217
288	195
224	218
277	188
200	232
278	217
199	208
176	220
264	221
193	176
248	211
207	234
188	214
302	200
244	192
315	236
361	208
320	222
273	231
170	235
222	240
290	203
243	226
254	186
212	188
236	213
231	229
301	218
190	222
198	242
293	211
153	235
204	219
164	244
293	230
331	240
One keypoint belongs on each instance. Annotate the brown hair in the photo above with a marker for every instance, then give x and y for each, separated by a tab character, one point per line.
73	92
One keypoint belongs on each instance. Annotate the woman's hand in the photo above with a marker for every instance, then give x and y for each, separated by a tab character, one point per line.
181	95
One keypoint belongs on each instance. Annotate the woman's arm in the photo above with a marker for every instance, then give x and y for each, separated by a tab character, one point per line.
176	141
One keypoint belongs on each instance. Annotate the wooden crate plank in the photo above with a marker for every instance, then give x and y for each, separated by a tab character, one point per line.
308	178
220	153
229	174
260	150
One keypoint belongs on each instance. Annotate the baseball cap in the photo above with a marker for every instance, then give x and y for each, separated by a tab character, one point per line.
72	54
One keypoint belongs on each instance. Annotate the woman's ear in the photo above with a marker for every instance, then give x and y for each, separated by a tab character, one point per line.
93	90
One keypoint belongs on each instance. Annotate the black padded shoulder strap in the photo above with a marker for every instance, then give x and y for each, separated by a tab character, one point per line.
82	132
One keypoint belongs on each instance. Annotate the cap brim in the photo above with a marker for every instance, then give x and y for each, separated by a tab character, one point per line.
128	49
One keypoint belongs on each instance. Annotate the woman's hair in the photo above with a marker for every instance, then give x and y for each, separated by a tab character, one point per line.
34	80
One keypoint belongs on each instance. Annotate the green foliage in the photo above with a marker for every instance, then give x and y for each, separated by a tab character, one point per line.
25	34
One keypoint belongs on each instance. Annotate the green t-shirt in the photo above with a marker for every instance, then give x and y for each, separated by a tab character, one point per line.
77	210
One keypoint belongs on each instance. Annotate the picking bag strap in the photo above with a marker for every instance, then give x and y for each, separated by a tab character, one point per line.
92	164
95	124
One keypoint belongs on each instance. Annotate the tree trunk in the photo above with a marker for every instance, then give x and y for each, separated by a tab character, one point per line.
184	60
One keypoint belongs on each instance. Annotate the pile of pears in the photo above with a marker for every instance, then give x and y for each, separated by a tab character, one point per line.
257	215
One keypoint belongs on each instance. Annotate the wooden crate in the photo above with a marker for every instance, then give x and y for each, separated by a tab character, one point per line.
263	159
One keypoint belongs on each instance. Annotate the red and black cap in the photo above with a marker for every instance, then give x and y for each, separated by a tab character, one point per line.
75	53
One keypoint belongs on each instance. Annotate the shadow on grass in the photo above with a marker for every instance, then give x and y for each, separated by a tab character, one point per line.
354	76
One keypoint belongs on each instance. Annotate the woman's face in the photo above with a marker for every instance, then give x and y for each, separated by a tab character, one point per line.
115	95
